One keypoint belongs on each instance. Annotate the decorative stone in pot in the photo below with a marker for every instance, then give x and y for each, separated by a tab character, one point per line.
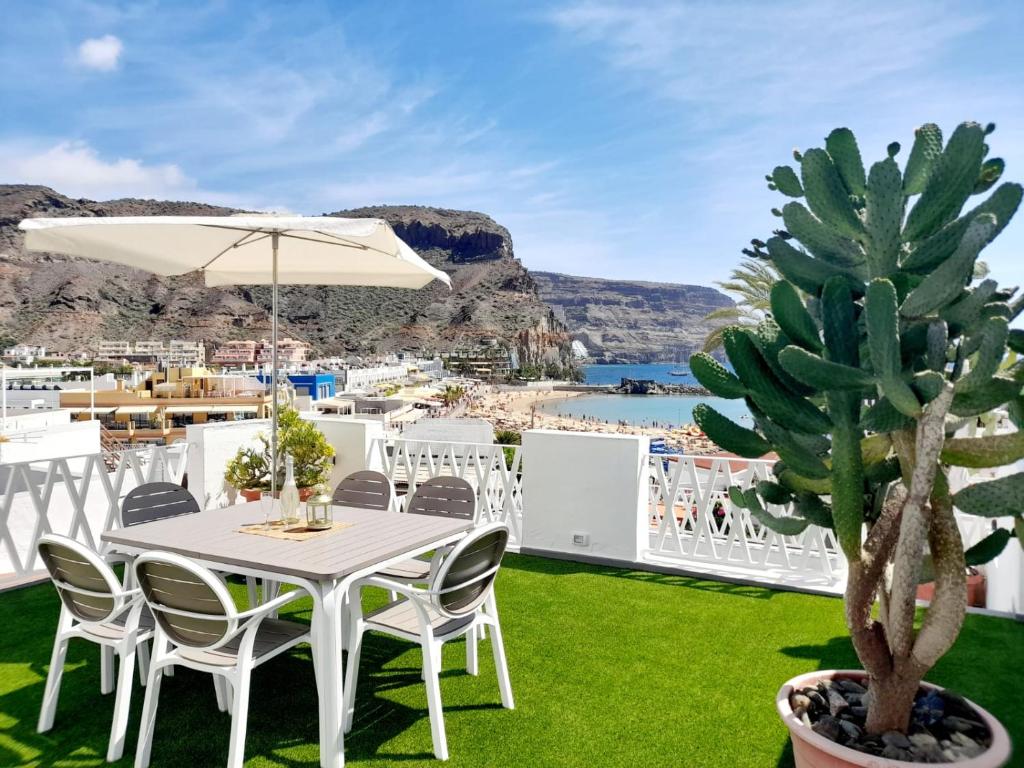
814	749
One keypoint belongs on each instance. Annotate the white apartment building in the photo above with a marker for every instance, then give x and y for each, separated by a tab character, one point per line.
364	378
24	353
174	352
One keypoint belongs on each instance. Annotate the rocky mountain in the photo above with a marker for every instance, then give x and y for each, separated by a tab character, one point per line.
68	303
632	321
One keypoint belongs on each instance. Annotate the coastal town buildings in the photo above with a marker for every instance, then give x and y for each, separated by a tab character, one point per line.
158	409
176	352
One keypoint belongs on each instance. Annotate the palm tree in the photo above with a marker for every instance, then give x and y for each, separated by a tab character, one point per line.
751	285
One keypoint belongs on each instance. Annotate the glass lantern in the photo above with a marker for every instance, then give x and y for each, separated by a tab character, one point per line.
319	510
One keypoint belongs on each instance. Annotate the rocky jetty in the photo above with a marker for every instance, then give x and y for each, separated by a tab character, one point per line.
651	387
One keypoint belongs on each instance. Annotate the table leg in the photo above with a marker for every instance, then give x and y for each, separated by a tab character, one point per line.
329	665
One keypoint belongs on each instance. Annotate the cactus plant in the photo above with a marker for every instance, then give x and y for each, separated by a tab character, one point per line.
878	345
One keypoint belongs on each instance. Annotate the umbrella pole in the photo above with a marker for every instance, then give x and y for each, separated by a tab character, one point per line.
273	372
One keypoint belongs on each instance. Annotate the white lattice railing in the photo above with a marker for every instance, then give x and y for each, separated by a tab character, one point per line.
498	482
692	520
76	496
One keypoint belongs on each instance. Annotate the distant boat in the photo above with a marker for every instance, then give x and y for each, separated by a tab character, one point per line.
679	373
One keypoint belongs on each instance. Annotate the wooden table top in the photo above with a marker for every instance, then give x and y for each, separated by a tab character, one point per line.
212	535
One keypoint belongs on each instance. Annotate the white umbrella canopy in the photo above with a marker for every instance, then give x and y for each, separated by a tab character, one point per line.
238	250
247	249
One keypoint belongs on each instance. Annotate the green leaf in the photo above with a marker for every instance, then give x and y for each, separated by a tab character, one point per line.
988	548
996	498
949	184
819	239
884	341
985	397
947	281
883	216
727	435
926	150
989	356
785	179
805	272
822	374
767	391
716	377
841	146
792	316
827	194
983	452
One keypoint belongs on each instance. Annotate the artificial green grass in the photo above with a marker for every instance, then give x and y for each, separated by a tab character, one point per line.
608	667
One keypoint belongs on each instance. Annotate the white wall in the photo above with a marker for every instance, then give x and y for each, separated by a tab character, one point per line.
584	483
210	448
351	439
53	441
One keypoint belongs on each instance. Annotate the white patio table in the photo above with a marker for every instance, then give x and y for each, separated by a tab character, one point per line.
324	566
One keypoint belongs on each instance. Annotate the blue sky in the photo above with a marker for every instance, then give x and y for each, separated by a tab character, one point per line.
613	139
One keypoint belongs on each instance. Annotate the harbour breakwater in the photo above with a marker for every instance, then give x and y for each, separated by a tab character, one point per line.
637	387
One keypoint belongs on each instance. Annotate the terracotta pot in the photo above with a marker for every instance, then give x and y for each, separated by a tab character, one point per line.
253	494
975	590
813	751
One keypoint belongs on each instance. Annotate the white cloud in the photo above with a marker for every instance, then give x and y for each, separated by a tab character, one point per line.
76	169
100	53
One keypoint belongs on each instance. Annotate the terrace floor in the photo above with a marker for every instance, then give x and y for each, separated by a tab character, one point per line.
609	668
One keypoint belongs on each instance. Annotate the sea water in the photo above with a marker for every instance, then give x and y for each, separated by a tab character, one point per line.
641	410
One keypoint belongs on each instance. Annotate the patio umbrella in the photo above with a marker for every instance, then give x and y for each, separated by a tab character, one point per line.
248	249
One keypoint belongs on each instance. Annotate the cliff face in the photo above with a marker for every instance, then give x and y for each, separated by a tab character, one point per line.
67	303
632	321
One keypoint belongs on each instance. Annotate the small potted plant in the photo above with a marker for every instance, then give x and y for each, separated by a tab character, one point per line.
249	472
249	469
883	343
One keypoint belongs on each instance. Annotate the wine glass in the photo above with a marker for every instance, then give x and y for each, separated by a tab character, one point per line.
267	507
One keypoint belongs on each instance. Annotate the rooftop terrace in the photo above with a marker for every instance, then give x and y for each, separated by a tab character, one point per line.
610	667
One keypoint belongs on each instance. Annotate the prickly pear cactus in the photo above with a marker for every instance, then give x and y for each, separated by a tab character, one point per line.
879	347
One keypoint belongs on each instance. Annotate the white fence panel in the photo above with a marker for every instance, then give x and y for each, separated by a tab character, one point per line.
693	521
76	496
498	483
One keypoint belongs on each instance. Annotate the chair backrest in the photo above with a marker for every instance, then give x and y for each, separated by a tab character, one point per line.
366	489
466	575
155	501
443	497
189	602
87	586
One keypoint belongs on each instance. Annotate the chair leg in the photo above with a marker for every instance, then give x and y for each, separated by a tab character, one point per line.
52	690
106	669
148	721
472	659
239	715
143	651
431	654
500	663
218	689
250	588
355	648
122	701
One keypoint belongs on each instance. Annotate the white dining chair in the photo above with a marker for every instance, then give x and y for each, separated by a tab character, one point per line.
198	626
96	607
459	601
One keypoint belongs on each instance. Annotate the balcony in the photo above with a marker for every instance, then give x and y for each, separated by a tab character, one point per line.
609	667
615	661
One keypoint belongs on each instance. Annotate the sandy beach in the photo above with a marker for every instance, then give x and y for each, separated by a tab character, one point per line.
519	410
